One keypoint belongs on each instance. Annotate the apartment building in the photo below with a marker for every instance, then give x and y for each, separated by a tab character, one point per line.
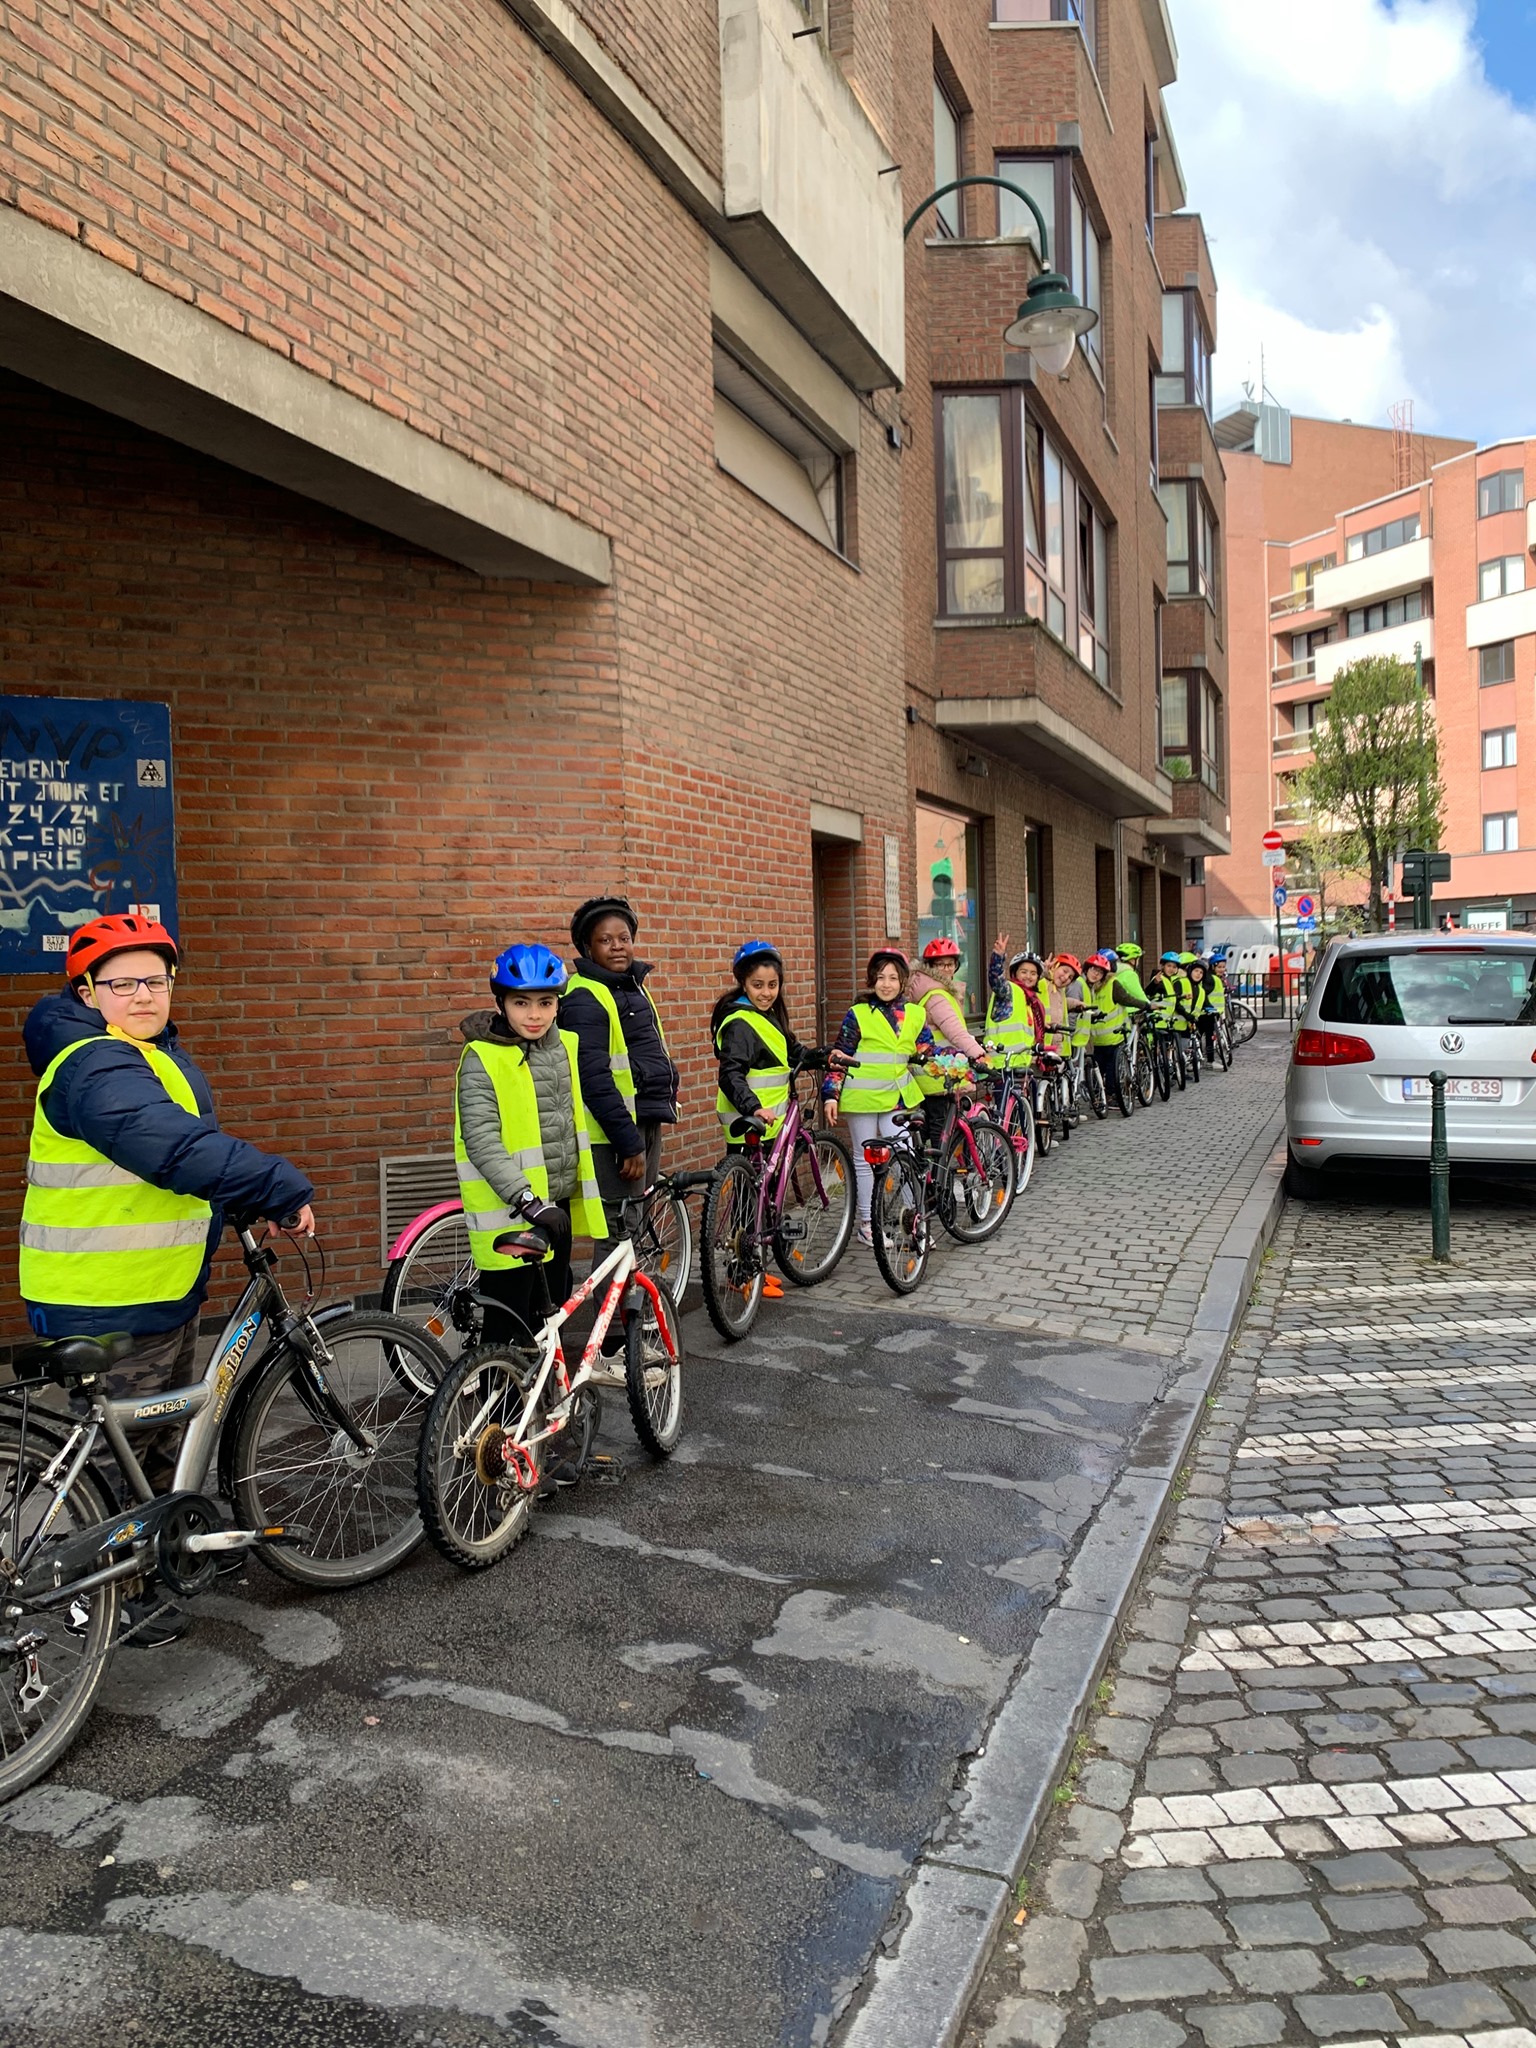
1063	644
1293	622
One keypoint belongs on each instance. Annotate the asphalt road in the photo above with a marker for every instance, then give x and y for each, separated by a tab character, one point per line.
651	1783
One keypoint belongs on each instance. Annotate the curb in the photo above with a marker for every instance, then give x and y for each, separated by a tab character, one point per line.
918	1990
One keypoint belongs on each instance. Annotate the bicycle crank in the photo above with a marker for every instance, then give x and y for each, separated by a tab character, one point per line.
34	1688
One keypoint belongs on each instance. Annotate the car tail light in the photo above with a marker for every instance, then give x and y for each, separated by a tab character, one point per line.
1330	1049
878	1155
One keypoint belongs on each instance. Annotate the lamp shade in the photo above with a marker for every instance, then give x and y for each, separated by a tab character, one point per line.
1050	321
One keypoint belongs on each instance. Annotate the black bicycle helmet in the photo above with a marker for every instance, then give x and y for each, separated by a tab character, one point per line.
593	911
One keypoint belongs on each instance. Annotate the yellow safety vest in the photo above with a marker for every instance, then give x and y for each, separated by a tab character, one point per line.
1216	993
883	1078
1014	1033
926	1084
769	1084
1079	992
486	1216
1186	990
618	1051
1107	1021
95	1235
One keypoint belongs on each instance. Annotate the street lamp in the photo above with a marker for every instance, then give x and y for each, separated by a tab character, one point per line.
1052	316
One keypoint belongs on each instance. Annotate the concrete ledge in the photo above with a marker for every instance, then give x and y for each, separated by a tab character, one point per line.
1027	730
81	324
921	1992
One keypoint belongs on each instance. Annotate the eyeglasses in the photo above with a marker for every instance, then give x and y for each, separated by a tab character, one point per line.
125	984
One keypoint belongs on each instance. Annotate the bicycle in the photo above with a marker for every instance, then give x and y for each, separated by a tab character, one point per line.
1242	1022
431	1277
316	1462
481	1459
1218	1049
965	1178
1139	1055
1012	1106
795	1199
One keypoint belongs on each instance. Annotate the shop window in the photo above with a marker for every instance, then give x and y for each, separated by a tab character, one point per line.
948	895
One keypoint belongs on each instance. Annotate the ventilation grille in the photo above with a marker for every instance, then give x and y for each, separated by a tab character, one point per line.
408	1184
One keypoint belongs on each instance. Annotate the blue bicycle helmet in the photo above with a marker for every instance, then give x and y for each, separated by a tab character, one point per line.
1169	960
753	950
528	971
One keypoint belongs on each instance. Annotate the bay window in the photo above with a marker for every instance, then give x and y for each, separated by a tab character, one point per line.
1189	721
1077	248
1185	377
1192	540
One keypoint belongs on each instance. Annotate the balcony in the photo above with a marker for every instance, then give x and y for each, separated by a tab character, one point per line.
1290	601
1292	814
1501	618
1399	641
1285	672
1383	575
809	215
1201	823
1292	743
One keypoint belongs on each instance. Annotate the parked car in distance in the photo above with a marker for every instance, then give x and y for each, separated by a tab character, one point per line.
1383	1014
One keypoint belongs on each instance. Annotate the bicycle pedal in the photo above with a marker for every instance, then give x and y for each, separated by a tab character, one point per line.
605	1470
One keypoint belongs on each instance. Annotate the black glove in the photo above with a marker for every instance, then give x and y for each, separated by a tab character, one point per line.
547	1218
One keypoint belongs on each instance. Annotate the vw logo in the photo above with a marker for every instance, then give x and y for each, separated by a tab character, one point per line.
1451	1041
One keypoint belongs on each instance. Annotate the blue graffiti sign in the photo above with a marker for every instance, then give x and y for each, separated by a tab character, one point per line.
86	821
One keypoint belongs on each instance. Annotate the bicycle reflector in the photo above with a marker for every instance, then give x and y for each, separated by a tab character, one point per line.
1330	1049
878	1154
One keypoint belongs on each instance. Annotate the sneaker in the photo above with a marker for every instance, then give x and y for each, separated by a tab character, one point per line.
773	1287
149	1622
864	1235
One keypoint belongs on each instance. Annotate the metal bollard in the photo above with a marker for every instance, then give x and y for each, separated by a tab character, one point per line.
1439	1170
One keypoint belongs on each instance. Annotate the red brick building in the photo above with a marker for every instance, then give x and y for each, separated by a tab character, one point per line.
508	436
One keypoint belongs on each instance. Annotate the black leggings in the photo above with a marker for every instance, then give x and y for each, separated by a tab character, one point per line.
517	1290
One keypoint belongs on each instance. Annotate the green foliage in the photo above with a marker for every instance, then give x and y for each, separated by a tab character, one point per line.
1374	784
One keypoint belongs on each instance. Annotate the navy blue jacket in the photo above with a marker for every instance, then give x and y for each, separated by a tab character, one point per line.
110	1097
651	1068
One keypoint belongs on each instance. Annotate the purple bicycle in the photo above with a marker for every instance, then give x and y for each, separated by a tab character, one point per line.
791	1195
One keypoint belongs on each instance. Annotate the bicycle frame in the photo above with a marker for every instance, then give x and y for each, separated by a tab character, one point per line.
773	1182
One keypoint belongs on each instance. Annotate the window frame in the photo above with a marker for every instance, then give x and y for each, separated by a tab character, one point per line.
972	837
1504	737
950	230
771	416
1502	824
1368	534
1506	589
1502	478
1204	721
1191	375
1074	218
1501	648
1420	595
1201	566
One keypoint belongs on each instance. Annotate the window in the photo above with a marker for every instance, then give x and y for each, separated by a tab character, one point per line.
1504	492
1499	832
948	884
1396	534
1152	416
1391	611
1499	577
770	449
1428	987
1499	747
1084	12
1496	664
1306	718
1186	358
1018	533
1151	183
1192	540
1210	735
946	159
1189	712
1077	248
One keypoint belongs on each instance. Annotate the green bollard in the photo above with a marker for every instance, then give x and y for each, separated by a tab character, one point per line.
1439	1170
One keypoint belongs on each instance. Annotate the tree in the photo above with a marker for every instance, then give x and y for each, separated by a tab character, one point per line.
1375	774
1326	857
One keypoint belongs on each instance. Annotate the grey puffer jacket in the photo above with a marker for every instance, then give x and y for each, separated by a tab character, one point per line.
480	1114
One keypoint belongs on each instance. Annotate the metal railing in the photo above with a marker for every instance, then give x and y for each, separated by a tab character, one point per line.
1292	601
1275	997
1292	743
1285	672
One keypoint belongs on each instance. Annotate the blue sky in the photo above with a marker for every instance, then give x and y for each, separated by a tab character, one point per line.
1367	174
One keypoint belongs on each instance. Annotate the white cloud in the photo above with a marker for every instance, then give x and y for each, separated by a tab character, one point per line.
1371	203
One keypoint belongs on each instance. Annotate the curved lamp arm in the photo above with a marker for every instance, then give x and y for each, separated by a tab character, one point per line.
1003	185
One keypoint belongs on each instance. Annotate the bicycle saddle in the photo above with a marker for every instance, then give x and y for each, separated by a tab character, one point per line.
907	1117
63	1359
522	1244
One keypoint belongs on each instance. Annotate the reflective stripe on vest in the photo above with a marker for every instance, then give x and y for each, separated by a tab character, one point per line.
882	1079
486	1216
618	1051
1079	992
1107	1021
1013	1033
93	1234
769	1084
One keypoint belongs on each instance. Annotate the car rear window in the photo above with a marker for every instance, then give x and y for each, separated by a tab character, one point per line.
1432	985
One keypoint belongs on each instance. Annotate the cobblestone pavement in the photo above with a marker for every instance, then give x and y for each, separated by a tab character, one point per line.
1085	1253
1307	1811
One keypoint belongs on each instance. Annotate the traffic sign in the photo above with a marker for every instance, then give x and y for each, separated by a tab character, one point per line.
1274	856
1306	924
1305	907
1273	841
1280	895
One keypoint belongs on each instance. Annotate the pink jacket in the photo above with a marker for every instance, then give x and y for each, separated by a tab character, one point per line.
944	1017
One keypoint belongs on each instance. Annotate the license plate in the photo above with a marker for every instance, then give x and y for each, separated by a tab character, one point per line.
1418	1090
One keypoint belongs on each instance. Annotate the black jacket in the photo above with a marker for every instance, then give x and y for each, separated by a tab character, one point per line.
110	1097
740	1049
651	1069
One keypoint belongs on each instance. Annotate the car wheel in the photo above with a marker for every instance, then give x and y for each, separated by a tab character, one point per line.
1303	1183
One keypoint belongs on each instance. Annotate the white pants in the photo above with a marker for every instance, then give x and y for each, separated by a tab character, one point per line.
860	1130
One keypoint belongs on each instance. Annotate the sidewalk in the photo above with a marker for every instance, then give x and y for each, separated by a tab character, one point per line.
1307	1811
1114	1235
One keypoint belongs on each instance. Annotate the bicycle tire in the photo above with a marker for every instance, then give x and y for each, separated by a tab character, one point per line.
1180	1071
1024	1155
1059	1107
794	1243
730	1265
1194	1055
392	1414
473	1513
1098	1094
982	1205
1221	1038
664	1241
24	1761
1146	1080
897	1199
653	1376
1125	1082
1162	1067
1244	1023
429	1284
1044	1135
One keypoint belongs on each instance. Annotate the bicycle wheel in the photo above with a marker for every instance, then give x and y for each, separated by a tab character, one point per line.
1058	1104
1244	1023
664	1241
653	1372
1025	1140
46	1693
1125	1082
814	1228
1180	1069
1192	1051
1098	1094
1043	1131
431	1283
1222	1043
1146	1079
476	1477
898	1225
981	1198
730	1260
295	1466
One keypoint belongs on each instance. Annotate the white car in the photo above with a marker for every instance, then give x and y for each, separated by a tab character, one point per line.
1384	1014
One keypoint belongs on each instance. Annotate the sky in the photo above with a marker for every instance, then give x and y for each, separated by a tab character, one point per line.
1366	170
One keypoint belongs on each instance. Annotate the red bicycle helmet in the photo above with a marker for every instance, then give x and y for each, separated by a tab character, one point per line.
1100	960
122	932
1070	960
941	949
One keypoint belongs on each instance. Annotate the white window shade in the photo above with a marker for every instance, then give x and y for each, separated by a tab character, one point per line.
804	487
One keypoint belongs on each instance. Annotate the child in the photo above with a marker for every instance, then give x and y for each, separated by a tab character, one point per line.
752	1039
882	1034
520	1137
